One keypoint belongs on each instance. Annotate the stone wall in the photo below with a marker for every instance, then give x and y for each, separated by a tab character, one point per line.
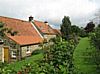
48	37
31	48
1	53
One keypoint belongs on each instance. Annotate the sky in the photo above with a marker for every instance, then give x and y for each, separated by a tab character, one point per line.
53	11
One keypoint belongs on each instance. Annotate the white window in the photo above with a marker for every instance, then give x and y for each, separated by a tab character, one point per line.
28	50
1	41
13	54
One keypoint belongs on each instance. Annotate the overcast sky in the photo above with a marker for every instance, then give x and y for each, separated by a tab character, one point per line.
80	11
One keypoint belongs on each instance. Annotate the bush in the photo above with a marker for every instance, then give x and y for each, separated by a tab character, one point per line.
37	51
58	59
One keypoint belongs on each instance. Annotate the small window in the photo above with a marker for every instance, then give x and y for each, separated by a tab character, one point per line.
28	50
1	41
13	54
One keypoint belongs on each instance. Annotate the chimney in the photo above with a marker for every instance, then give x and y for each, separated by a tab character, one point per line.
46	22
31	19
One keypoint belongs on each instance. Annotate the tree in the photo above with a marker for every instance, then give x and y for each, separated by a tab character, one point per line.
95	40
11	32
90	27
96	37
66	27
58	58
2	29
75	29
98	25
82	32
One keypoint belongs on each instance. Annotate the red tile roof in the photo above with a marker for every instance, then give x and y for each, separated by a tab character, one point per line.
57	31
44	28
25	40
24	29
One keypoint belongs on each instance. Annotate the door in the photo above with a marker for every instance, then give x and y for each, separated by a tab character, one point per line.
6	54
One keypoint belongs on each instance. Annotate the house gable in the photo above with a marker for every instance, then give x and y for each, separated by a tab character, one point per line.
44	28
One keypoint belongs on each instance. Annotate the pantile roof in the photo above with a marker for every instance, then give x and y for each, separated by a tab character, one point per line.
26	40
44	28
57	31
25	30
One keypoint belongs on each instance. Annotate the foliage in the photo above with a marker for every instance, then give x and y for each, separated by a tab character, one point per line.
75	29
38	51
58	58
95	37
75	33
90	27
20	66
2	29
11	32
95	40
66	28
78	31
83	33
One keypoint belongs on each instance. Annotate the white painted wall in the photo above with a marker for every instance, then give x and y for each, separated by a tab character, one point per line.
48	37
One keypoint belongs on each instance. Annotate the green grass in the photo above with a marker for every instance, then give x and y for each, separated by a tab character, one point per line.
83	60
33	59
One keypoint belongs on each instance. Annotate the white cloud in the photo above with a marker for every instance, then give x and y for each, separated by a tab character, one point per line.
50	10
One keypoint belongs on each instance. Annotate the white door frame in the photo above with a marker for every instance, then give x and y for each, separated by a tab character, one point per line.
2	54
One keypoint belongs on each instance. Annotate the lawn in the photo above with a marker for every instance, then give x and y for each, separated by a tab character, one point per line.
33	59
83	60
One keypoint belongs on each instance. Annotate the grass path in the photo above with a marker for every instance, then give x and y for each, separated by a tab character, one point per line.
82	57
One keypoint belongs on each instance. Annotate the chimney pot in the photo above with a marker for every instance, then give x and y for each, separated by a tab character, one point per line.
46	22
31	19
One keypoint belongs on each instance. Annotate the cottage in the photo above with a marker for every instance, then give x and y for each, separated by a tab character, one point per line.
22	44
45	29
30	34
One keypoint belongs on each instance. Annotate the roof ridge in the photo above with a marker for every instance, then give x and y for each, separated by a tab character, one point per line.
38	21
13	18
